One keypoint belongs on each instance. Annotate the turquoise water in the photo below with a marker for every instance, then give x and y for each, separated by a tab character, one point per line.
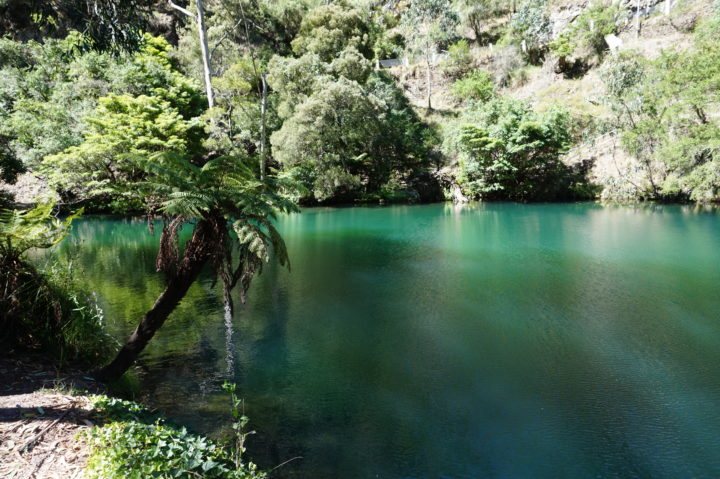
491	341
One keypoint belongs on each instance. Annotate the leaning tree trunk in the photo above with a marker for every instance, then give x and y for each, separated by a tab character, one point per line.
198	251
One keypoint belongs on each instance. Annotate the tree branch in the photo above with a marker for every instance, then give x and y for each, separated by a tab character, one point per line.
222	39
183	10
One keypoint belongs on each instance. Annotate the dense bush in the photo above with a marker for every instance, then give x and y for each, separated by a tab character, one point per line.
44	308
585	37
158	113
459	59
476	86
347	133
48	89
531	29
507	151
137	444
662	108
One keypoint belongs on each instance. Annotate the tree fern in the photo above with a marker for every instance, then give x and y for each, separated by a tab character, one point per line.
35	228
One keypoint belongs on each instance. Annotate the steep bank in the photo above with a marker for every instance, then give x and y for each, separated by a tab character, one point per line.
575	82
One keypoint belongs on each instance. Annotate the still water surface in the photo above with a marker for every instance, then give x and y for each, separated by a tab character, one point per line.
492	341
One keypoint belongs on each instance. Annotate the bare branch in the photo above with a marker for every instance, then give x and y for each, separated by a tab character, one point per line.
183	10
222	39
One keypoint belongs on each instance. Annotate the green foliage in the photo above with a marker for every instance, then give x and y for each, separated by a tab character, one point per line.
587	32
47	89
21	231
116	409
113	25
531	29
565	43
235	123
324	101
663	109
158	112
477	14
45	309
459	60
240	420
428	25
336	152
595	23
327	136
507	151
688	84
476	86
137	443
121	129
271	25
224	185
333	28
390	45
638	111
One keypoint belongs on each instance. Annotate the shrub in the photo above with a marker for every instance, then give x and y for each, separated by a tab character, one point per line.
477	85
459	60
564	45
587	33
507	151
476	13
131	450
531	29
136	444
45	309
595	23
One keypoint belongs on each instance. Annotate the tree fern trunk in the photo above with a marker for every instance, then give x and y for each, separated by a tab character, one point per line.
198	250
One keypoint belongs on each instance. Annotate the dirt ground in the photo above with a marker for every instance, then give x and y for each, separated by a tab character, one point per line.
41	422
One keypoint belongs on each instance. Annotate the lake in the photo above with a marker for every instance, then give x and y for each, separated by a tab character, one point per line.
487	341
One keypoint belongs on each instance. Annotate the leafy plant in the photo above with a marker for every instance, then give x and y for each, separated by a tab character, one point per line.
45	309
132	450
588	31
136	443
477	15
637	114
459	60
477	85
240	420
508	151
325	141
564	45
595	23
21	230
531	29
332	28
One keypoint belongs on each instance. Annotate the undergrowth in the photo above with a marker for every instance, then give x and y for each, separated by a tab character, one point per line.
135	443
44	308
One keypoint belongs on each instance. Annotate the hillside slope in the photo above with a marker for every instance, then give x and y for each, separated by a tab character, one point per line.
597	139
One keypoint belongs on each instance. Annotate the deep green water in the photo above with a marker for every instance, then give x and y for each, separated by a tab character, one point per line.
494	341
